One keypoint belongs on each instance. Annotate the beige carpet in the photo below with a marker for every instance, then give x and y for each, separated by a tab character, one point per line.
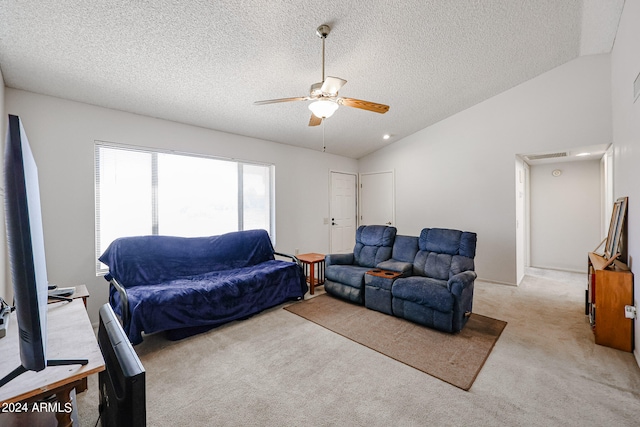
453	358
278	369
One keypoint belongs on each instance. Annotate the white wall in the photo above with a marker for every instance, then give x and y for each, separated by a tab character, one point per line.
565	214
459	173
625	66
62	135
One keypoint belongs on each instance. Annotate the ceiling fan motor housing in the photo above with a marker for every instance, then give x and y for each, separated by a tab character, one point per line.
323	31
316	89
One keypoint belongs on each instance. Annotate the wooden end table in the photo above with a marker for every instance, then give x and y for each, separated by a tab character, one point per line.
309	262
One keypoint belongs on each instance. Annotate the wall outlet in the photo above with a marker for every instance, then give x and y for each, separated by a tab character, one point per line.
630	312
297	251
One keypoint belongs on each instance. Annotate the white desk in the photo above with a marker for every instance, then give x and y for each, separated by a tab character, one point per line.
69	336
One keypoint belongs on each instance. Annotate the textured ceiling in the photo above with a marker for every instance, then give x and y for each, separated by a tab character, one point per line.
205	62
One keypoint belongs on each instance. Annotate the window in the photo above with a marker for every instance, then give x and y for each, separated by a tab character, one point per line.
142	192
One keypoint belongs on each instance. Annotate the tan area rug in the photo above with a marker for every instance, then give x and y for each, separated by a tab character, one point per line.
453	358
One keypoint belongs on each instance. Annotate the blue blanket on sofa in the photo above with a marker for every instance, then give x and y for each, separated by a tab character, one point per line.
187	285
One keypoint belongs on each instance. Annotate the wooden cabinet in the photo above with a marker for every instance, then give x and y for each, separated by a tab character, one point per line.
610	288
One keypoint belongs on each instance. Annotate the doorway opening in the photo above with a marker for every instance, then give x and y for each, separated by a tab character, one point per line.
563	205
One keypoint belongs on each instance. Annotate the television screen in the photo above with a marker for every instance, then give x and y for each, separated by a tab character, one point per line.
25	241
122	383
26	248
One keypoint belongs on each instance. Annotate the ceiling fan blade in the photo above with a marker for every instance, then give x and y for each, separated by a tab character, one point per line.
314	121
332	85
364	105
274	101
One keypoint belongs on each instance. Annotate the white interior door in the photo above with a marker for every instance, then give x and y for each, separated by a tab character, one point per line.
343	211
377	198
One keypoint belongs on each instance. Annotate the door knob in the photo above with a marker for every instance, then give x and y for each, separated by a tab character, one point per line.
389	223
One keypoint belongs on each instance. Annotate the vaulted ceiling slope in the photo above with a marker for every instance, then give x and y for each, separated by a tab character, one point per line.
204	62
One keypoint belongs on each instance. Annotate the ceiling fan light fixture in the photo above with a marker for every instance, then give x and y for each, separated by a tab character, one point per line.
324	94
323	108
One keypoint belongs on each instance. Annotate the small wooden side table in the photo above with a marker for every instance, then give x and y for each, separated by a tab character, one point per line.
309	262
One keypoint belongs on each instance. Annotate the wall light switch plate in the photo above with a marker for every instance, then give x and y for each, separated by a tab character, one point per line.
630	312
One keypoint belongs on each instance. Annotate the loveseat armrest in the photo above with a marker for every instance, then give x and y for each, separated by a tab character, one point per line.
124	302
406	268
459	282
339	259
291	257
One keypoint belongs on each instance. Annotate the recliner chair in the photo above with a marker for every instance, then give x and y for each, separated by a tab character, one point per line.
439	294
344	273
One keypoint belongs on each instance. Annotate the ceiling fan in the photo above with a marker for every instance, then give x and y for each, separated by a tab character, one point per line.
325	93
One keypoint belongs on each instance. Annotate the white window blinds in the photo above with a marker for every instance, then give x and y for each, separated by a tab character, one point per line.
140	192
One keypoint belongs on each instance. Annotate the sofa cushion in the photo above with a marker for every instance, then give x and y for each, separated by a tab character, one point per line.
405	248
376	235
402	255
350	275
432	264
373	244
460	264
425	291
447	241
208	299
444	253
148	260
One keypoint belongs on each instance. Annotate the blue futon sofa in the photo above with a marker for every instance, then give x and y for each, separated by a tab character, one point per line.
189	285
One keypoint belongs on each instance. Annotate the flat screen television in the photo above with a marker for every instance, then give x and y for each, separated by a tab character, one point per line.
122	383
25	239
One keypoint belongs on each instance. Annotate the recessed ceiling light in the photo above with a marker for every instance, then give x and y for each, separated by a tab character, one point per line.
386	136
582	154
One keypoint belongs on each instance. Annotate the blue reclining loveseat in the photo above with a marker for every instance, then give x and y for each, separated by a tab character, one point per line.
189	285
435	281
439	293
344	273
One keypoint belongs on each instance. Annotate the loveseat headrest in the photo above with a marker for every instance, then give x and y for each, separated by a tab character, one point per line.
376	235
373	244
448	241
